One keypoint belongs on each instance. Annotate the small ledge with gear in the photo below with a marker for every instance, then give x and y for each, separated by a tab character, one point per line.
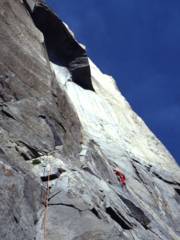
52	176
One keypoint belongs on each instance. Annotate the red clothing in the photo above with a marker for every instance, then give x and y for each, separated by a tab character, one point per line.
121	177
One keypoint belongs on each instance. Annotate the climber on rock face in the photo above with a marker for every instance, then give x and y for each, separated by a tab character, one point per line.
121	177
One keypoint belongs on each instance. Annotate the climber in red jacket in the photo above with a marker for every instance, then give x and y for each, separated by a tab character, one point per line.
121	177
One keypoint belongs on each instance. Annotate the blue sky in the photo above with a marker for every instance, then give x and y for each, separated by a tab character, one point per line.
138	43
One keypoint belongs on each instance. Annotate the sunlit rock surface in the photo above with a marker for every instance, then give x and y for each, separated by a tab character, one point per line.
64	123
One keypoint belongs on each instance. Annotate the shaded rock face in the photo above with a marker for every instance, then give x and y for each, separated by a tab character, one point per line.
62	48
20	203
56	134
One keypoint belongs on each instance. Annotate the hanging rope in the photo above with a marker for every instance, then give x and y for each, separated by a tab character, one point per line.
46	207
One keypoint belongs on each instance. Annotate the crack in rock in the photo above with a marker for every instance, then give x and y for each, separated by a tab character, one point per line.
136	212
118	218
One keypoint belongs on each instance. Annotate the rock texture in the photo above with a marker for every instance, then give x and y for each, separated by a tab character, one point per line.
64	126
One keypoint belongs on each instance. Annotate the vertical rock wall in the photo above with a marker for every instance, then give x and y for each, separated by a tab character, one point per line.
63	120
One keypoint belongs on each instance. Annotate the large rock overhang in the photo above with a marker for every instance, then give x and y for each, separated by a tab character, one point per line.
62	48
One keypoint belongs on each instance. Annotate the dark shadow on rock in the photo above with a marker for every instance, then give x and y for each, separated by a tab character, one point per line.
178	191
136	212
117	217
55	129
177	194
30	153
53	176
95	212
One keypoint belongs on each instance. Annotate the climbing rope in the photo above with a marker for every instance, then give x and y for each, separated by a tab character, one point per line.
46	206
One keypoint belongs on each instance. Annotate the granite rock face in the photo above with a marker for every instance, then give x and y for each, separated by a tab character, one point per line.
64	127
